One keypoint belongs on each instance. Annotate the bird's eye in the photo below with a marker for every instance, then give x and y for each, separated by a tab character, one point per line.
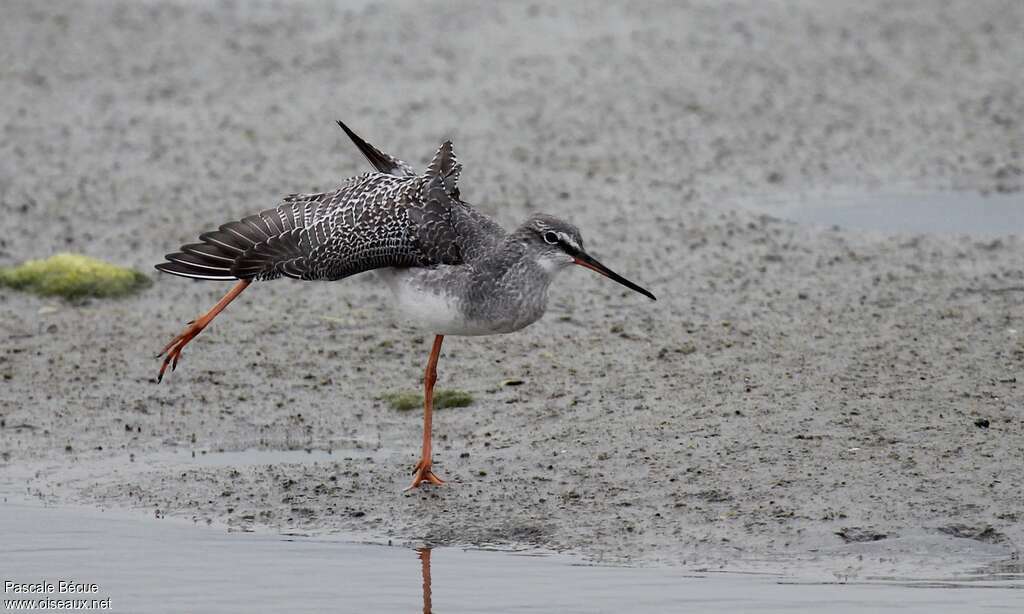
550	237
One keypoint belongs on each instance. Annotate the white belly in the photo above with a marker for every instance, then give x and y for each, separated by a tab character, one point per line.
426	302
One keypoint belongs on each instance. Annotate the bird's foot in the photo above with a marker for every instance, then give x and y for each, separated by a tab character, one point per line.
423	474
173	349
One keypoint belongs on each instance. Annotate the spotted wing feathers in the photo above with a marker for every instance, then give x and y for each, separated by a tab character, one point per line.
372	221
391	218
444	170
279	255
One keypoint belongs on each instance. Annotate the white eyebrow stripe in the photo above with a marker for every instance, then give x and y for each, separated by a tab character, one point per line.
569	240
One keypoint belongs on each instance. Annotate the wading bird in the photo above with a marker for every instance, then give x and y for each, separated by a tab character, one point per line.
452	270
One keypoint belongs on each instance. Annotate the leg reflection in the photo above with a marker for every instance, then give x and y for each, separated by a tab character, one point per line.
424	554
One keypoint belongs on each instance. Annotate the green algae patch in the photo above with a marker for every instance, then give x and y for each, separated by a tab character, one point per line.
452	398
73	276
404	401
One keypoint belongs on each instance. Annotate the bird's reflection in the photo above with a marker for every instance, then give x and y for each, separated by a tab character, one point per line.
424	554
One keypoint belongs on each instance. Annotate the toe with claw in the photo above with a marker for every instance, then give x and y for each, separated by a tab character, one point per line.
424	474
174	348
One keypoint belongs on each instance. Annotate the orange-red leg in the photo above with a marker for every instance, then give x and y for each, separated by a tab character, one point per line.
423	472
173	349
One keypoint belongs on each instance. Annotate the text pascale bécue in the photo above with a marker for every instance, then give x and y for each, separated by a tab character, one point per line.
60	586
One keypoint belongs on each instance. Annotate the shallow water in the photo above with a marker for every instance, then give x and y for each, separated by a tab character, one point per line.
147	565
904	212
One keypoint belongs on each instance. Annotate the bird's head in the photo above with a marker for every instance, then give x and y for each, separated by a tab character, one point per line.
555	244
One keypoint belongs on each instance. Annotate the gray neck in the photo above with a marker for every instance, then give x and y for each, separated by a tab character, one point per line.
509	285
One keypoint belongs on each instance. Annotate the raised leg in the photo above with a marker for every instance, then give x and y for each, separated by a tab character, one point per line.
173	349
423	472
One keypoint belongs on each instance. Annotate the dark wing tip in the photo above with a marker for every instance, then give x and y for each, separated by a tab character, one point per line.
348	131
384	163
184	270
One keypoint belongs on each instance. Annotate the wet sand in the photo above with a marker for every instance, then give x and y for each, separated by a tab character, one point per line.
798	397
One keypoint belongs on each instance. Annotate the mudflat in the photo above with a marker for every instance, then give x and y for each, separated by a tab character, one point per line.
798	396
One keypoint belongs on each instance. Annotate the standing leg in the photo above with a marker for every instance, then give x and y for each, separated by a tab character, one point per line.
423	472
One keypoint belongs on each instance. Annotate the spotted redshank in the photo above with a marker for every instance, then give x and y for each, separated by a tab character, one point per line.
452	270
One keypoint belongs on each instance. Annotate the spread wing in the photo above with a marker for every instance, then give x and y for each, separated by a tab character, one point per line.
375	220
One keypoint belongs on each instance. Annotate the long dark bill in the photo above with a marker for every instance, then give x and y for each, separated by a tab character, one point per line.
586	260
